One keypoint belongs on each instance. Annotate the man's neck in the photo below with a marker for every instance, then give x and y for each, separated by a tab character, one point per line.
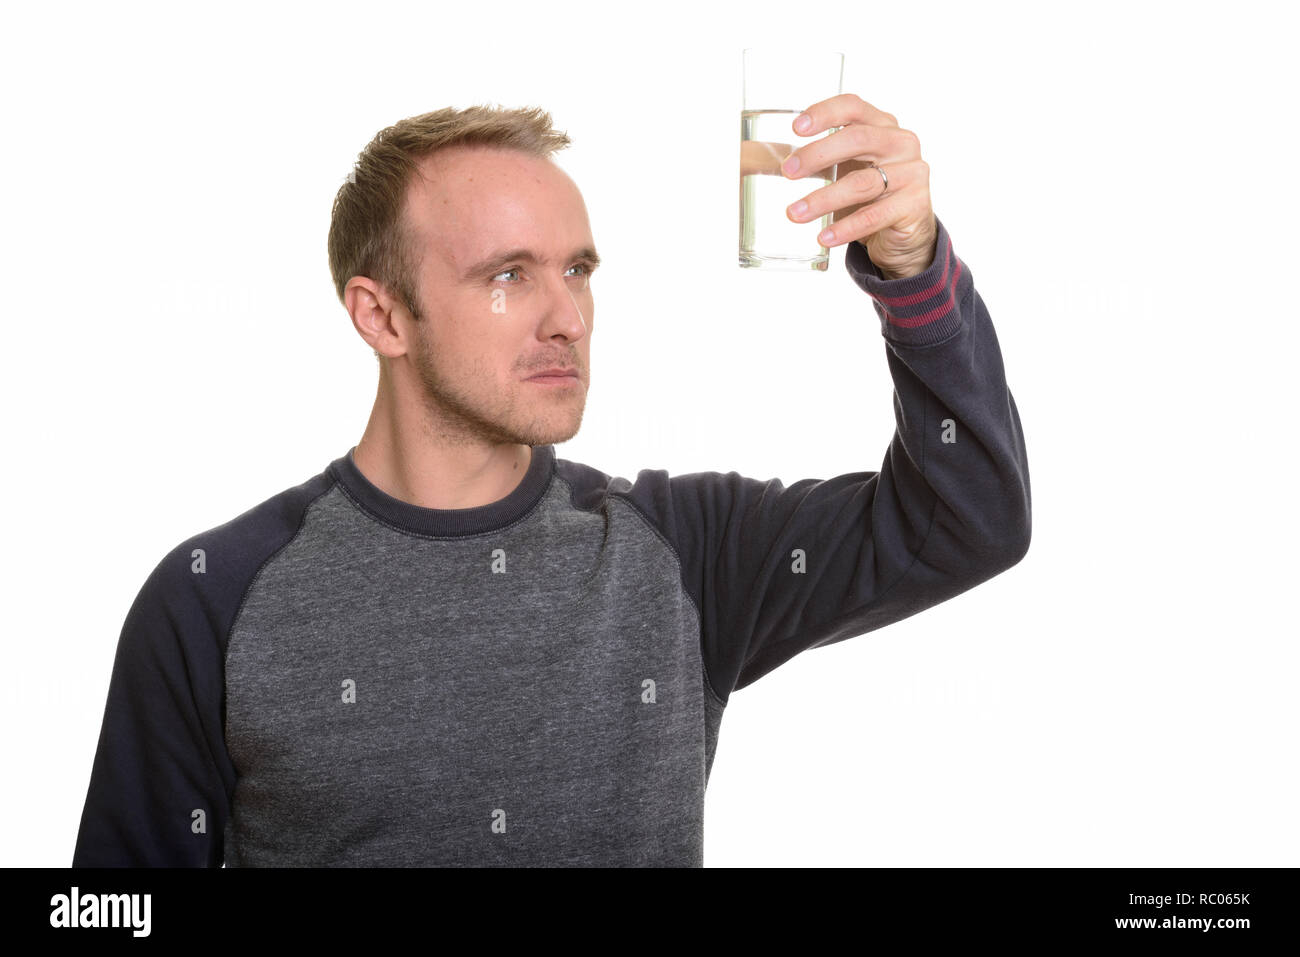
463	476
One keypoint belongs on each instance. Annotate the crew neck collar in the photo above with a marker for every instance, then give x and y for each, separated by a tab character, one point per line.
446	521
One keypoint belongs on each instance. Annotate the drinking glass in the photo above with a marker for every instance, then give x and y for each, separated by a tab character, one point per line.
778	86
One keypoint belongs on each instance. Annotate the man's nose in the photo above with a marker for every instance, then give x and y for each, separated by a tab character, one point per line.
564	311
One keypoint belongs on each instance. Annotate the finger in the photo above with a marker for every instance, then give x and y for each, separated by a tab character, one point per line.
857	188
861	141
872	218
841	110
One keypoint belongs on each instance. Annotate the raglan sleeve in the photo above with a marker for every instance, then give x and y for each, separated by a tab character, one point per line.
161	781
776	570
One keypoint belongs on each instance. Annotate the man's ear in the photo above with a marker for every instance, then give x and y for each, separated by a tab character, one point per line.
374	314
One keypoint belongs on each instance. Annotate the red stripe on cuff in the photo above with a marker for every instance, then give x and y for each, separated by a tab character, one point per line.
947	284
924	294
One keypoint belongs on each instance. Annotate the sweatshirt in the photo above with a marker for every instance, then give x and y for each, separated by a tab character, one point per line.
337	677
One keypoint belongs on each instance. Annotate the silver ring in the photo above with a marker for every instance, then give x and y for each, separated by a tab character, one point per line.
871	165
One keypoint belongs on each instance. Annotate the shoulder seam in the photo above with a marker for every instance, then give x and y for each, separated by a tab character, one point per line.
681	575
302	521
681	578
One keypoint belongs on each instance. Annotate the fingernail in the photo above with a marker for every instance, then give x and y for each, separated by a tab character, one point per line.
803	123
799	208
791	165
827	236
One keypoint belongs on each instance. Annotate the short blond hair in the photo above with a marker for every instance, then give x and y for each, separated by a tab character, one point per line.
368	236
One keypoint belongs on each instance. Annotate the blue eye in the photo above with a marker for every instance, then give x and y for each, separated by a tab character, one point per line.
586	268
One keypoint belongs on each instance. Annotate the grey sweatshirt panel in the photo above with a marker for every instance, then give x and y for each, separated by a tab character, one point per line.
532	696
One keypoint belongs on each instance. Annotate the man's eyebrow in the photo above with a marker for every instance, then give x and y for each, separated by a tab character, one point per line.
493	264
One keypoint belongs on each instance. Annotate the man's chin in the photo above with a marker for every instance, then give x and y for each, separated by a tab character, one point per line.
554	433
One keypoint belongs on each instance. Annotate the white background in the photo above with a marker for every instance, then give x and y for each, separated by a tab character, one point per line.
1120	180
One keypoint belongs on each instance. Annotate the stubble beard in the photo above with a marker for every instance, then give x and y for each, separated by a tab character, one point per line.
458	416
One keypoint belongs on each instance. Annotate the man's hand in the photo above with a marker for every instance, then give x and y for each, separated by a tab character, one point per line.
897	225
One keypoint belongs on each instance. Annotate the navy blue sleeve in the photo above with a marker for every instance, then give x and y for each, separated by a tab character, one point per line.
776	570
161	782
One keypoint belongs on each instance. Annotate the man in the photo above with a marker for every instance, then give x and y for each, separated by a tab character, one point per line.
452	647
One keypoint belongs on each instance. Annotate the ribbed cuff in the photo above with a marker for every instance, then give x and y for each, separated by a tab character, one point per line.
920	309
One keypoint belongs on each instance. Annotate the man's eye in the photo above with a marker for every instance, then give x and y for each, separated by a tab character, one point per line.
585	267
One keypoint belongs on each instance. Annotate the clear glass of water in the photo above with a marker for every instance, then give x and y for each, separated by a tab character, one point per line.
778	86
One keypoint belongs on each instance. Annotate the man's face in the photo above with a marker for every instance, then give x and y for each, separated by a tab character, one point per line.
492	316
